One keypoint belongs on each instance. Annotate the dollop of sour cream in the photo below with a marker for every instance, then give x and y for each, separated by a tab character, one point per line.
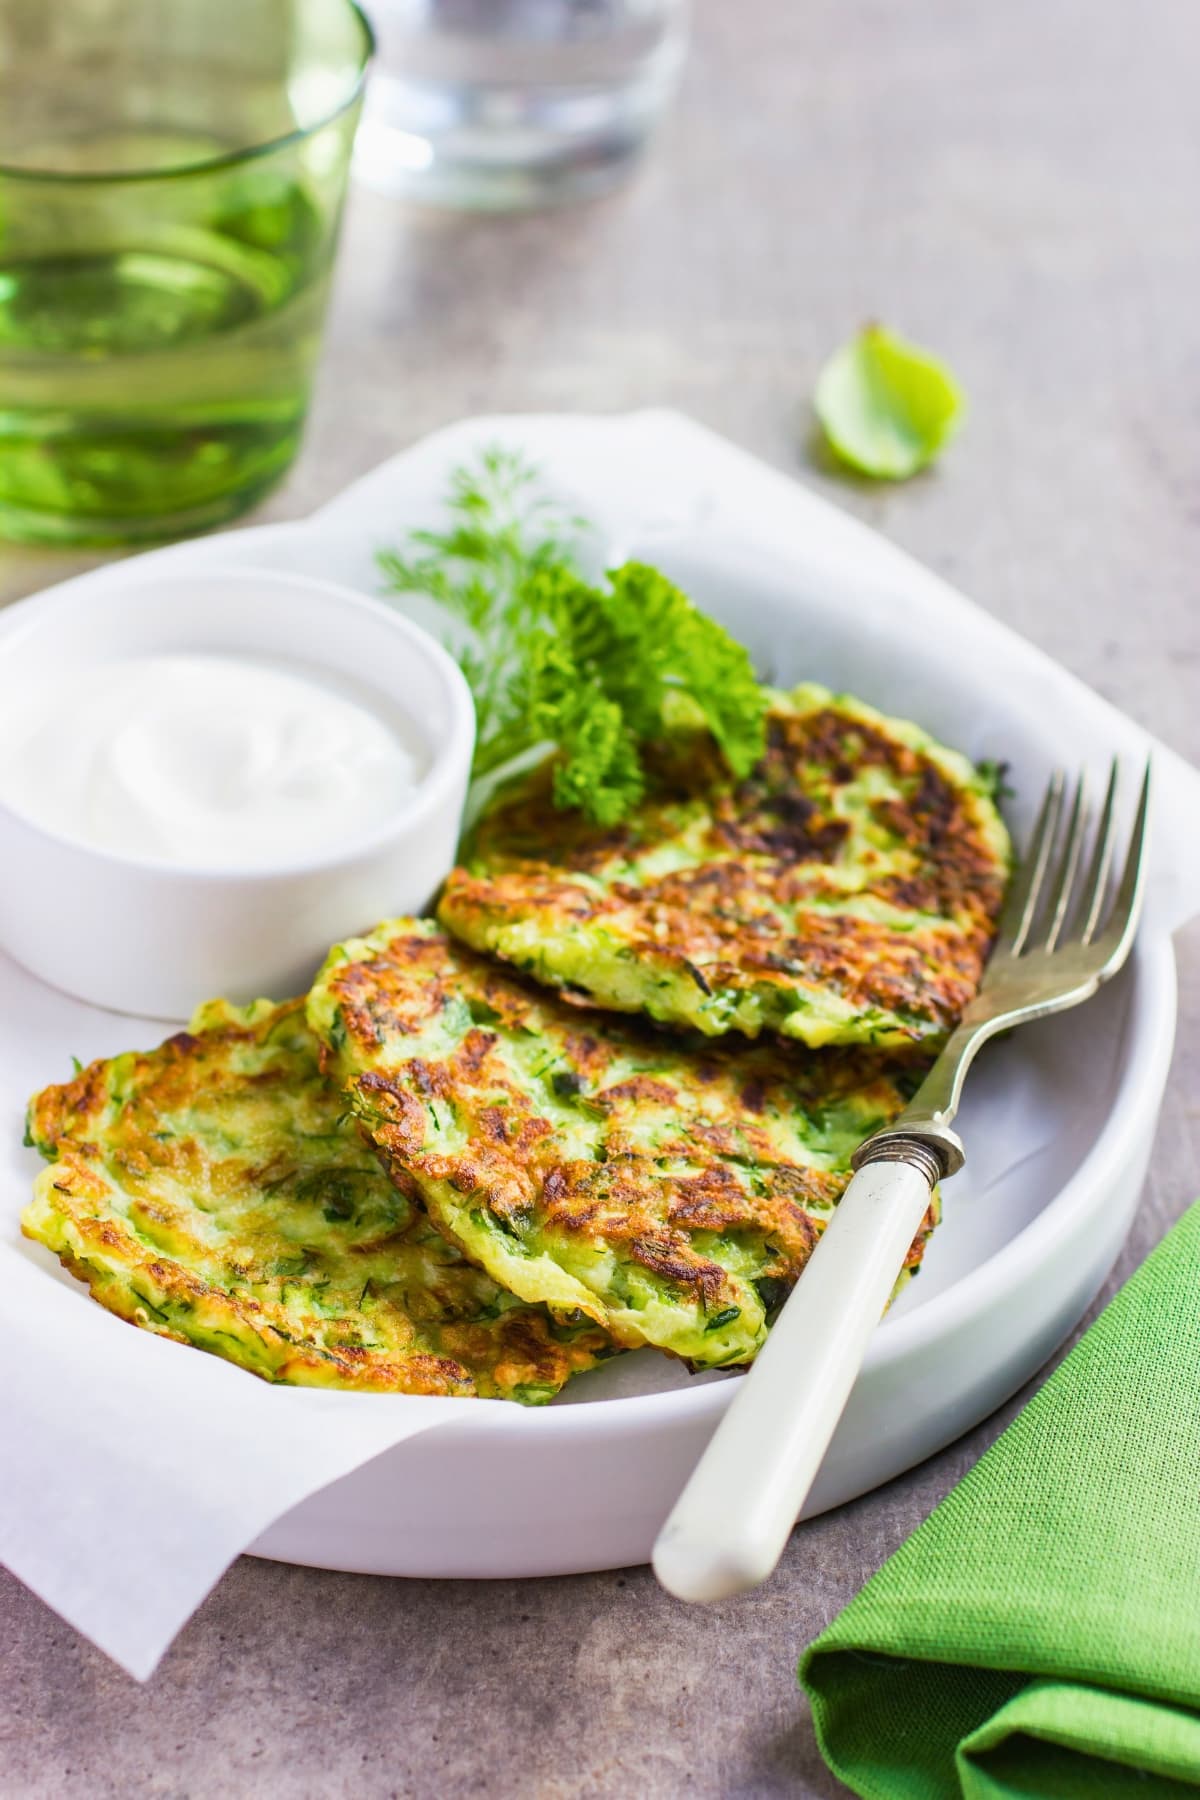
206	761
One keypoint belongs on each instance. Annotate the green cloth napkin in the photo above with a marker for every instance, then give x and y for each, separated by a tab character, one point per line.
1040	1634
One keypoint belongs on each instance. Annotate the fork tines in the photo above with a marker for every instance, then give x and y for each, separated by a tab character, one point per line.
1048	905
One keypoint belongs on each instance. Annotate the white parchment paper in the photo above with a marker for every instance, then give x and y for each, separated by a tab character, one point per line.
134	1470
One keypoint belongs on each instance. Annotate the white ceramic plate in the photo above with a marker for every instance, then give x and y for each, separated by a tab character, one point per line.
1058	1121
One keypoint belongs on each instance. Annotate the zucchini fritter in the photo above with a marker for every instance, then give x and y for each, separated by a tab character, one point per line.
670	1189
845	892
215	1191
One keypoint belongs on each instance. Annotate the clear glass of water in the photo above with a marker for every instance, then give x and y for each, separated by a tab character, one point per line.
171	179
506	104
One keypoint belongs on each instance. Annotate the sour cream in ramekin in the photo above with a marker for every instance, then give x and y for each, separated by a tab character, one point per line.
206	760
208	778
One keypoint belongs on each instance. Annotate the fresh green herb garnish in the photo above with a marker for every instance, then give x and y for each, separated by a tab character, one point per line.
593	673
886	406
502	531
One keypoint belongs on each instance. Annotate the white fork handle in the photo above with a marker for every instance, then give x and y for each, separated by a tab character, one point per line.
730	1524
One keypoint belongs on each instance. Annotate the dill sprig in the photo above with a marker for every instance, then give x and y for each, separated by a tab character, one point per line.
591	674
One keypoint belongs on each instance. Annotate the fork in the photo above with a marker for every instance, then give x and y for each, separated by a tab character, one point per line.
1059	938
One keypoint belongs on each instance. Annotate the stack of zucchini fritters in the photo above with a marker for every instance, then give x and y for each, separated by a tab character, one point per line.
436	1176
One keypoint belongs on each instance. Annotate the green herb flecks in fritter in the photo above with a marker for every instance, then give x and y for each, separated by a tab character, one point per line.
670	1189
845	892
216	1191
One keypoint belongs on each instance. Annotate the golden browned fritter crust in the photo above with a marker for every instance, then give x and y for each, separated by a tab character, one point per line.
216	1191
846	892
672	1190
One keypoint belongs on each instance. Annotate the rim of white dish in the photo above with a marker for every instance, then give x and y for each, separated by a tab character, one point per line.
429	793
1151	1035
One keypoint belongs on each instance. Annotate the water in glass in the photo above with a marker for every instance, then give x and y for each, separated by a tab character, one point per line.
500	104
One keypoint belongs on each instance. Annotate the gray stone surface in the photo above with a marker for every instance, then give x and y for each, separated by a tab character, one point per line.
1016	185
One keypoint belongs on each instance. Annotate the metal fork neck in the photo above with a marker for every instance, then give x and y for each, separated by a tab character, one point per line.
925	1144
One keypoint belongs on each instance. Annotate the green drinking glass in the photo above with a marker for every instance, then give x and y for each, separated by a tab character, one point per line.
171	181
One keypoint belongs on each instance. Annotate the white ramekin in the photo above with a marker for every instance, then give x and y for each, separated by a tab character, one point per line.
152	938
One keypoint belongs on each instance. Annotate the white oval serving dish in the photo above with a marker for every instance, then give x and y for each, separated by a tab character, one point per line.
1058	1122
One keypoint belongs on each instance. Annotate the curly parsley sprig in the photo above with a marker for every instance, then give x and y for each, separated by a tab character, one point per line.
590	673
